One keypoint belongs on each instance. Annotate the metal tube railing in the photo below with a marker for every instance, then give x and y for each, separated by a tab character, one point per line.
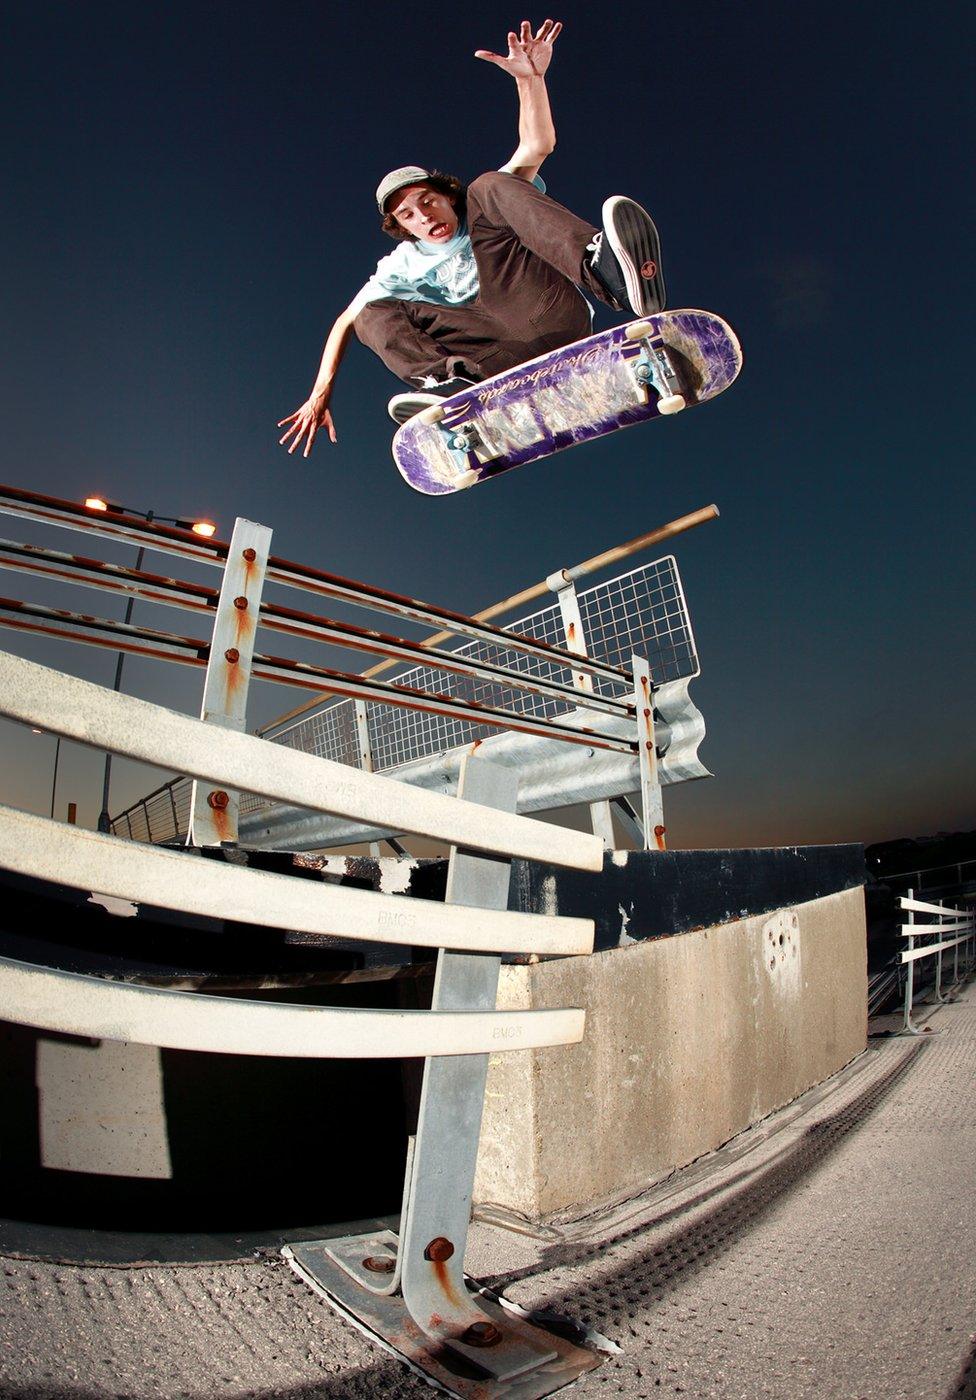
50	510
961	922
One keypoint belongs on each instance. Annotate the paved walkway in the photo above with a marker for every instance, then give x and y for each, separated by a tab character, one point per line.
828	1253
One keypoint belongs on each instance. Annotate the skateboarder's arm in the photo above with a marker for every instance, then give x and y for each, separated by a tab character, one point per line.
314	412
527	60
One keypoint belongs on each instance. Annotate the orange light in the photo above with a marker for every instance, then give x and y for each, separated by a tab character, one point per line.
204	527
96	503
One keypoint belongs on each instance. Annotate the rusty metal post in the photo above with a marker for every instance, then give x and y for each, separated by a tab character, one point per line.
565	590
412	1291
214	811
652	804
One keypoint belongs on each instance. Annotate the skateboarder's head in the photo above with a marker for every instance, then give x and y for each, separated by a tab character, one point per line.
417	203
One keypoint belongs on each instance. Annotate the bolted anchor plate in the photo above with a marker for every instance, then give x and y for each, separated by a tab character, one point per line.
463	1369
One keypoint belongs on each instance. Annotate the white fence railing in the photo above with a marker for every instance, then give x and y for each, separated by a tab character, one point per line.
470	929
933	929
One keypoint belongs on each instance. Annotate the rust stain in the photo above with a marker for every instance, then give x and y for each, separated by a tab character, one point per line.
222	824
444	1282
659	834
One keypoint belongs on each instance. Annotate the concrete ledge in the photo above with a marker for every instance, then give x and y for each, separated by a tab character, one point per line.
689	1039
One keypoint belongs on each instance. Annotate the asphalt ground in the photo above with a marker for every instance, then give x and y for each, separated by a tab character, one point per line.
827	1252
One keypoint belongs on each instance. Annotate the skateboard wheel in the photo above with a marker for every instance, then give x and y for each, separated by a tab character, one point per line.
465	479
432	414
671	403
639	329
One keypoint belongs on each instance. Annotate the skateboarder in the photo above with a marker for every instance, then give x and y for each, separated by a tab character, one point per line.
487	277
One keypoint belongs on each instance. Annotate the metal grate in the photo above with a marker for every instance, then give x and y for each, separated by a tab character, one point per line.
643	612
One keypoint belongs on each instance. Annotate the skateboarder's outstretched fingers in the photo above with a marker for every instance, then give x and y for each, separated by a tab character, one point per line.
305	423
529	55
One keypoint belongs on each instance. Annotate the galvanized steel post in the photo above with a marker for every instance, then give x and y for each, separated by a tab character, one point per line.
565	590
652	804
214	811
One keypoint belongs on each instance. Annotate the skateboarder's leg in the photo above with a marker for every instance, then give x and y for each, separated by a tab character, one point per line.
509	217
417	341
420	341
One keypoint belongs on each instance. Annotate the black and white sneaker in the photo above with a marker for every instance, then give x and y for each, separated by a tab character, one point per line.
403	407
626	257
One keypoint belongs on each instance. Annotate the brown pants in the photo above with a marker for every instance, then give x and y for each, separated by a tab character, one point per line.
529	251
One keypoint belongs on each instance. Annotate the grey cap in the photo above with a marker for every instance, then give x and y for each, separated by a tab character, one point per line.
396	180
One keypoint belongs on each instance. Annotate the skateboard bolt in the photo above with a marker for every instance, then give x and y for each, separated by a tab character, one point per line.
232	655
250	555
379	1264
439	1250
240	604
218	800
482	1334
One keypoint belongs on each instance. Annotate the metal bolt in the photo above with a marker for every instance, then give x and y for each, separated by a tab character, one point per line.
232	655
439	1250
482	1334
379	1264
647	714
250	555
218	800
240	604
649	744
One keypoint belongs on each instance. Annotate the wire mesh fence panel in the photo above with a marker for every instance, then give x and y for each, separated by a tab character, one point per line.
643	611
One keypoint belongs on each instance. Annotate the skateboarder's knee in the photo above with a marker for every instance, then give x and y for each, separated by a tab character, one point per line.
490	180
374	318
485	188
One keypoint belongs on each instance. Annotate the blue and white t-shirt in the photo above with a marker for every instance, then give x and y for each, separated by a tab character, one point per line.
444	273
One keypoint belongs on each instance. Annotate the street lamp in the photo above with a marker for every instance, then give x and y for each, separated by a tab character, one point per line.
206	528
57	755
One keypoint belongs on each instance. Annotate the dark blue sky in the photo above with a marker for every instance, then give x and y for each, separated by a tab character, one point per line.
188	204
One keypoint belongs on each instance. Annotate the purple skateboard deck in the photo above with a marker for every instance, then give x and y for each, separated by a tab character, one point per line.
623	376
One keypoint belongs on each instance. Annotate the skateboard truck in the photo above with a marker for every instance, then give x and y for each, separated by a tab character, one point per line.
654	367
465	442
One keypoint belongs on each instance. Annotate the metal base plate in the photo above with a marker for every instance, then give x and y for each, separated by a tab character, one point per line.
385	1321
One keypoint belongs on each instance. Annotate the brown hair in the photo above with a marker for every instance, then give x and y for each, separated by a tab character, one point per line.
444	184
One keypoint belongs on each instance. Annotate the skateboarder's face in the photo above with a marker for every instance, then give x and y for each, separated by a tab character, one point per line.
425	213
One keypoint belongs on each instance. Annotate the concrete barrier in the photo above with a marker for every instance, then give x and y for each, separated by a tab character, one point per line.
690	1039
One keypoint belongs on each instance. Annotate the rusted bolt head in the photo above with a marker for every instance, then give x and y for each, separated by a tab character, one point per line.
250	555
240	604
232	654
660	830
647	714
649	744
482	1334
379	1264
218	800
439	1250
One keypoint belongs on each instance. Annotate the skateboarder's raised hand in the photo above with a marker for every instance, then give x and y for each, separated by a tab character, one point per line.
304	423
529	55
527	61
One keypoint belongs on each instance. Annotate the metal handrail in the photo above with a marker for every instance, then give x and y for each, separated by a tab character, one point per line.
109	524
961	922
